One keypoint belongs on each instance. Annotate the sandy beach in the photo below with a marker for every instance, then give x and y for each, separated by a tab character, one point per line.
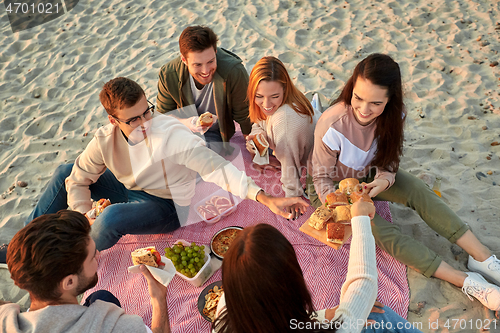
448	51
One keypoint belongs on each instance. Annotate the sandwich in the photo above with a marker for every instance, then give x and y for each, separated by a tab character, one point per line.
336	198
343	214
357	196
261	144
349	185
206	119
320	216
335	233
147	256
100	205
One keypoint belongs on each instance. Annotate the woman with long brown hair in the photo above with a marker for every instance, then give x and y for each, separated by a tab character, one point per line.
284	116
265	290
361	136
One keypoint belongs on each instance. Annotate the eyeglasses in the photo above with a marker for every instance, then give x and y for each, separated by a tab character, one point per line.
136	121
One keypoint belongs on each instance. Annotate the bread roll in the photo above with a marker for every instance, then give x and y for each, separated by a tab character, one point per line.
144	256
206	119
336	198
100	205
356	196
335	233
349	185
320	216
343	214
261	144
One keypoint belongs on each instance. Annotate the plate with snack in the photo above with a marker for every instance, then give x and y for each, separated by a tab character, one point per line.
331	223
160	267
209	299
222	240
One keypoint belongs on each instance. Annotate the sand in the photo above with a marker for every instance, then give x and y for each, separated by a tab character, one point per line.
448	50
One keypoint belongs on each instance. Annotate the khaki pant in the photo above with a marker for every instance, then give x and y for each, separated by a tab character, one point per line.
411	192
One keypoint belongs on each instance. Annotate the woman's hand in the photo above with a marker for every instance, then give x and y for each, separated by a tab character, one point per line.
250	147
294	211
375	187
363	208
377	308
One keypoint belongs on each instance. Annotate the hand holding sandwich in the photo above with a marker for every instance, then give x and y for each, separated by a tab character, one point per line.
158	294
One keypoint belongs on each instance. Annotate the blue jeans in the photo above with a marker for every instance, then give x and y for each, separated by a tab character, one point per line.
131	212
389	322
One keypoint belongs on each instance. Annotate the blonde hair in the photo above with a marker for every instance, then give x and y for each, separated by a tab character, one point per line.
272	69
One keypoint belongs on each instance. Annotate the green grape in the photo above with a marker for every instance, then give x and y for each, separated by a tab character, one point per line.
183	253
191	261
184	258
177	250
202	247
196	248
175	258
195	255
196	259
190	266
193	244
190	255
193	270
189	251
184	262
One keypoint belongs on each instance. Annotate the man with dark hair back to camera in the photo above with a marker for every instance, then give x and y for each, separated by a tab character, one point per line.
147	168
54	259
210	78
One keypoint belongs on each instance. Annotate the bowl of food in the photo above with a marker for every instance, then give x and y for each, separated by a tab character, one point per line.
222	240
209	299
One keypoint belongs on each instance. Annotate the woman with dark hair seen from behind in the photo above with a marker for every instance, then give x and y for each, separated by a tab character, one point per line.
282	113
265	291
361	136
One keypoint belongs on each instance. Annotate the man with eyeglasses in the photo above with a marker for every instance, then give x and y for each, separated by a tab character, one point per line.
206	78
147	168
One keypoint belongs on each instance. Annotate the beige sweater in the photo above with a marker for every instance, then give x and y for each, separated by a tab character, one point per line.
99	317
164	165
290	136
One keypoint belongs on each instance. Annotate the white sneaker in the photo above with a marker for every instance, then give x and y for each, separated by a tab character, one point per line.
490	268
486	293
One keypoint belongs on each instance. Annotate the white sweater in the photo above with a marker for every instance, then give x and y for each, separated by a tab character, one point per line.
290	136
165	164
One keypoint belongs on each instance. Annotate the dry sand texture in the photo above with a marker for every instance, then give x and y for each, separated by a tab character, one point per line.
448	52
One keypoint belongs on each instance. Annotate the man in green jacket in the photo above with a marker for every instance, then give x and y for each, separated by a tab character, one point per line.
205	78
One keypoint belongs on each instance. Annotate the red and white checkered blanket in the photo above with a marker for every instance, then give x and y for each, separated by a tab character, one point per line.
324	268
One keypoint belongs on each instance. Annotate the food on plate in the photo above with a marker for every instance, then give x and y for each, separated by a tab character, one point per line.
209	212
336	198
206	119
261	144
99	206
319	218
335	232
222	241
349	185
147	256
188	260
356	196
215	207
343	214
211	301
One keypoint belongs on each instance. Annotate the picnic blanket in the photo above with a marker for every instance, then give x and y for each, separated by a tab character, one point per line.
324	268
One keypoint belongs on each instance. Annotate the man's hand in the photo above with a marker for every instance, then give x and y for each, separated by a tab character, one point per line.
375	187
281	206
363	208
158	294
91	220
191	124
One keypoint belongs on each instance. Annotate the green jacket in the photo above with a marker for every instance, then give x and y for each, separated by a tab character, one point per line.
230	89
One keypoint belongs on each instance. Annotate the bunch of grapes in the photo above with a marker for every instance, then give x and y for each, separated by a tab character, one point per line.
188	260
